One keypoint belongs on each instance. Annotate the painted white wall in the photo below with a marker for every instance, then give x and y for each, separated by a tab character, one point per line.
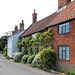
11	47
33	35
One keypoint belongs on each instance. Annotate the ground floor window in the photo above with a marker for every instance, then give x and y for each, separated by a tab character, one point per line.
63	52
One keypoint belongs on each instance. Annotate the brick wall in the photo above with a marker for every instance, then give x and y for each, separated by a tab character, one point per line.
68	39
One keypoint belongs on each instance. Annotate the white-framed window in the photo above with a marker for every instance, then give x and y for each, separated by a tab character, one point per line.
63	52
64	28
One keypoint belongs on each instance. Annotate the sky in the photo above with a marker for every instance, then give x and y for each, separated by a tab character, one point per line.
13	11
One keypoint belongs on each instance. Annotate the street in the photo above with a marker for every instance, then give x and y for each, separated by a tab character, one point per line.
12	68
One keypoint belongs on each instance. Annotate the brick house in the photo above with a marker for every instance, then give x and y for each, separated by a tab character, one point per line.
62	23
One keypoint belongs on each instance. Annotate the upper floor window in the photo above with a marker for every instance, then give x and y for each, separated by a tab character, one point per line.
64	28
64	52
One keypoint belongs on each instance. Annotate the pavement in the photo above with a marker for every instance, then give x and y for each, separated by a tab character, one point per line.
12	68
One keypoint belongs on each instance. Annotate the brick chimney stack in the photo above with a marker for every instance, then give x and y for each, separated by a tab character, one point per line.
22	26
34	17
16	28
62	3
13	32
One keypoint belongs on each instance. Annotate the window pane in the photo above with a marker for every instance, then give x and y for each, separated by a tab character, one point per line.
60	56
60	52
60	29
63	28
67	53
63	48
63	54
60	32
67	28
60	26
67	23
63	24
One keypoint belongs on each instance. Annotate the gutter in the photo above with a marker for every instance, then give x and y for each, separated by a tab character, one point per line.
61	22
35	32
51	26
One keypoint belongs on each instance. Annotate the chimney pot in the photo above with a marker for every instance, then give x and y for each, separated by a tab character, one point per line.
16	28
22	26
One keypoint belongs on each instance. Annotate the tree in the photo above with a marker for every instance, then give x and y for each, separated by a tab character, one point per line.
3	42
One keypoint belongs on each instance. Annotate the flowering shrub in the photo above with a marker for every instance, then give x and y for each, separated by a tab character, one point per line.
48	58
25	58
36	61
30	59
17	56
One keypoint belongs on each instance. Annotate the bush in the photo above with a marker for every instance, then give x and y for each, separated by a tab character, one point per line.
25	58
68	72
36	61
72	73
17	56
48	58
7	57
24	52
58	70
63	71
30	59
5	52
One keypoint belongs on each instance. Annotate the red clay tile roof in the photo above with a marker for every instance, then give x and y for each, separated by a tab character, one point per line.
40	25
65	14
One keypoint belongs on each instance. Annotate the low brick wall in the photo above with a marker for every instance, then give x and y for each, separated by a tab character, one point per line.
65	66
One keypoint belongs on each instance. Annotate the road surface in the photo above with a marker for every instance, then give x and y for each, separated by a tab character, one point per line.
12	68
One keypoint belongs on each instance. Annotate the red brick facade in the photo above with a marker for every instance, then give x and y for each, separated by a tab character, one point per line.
67	39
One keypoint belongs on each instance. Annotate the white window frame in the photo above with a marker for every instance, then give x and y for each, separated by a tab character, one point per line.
64	28
63	52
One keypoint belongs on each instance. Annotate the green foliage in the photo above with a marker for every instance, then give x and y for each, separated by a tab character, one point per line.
63	71
48	58
68	72
25	58
24	51
72	73
3	42
30	59
36	62
30	51
5	52
7	57
17	56
41	41
25	44
19	45
58	70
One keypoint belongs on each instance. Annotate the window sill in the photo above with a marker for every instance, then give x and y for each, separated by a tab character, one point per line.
64	59
63	33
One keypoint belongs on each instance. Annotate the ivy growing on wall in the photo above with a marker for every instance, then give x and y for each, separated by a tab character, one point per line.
37	44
